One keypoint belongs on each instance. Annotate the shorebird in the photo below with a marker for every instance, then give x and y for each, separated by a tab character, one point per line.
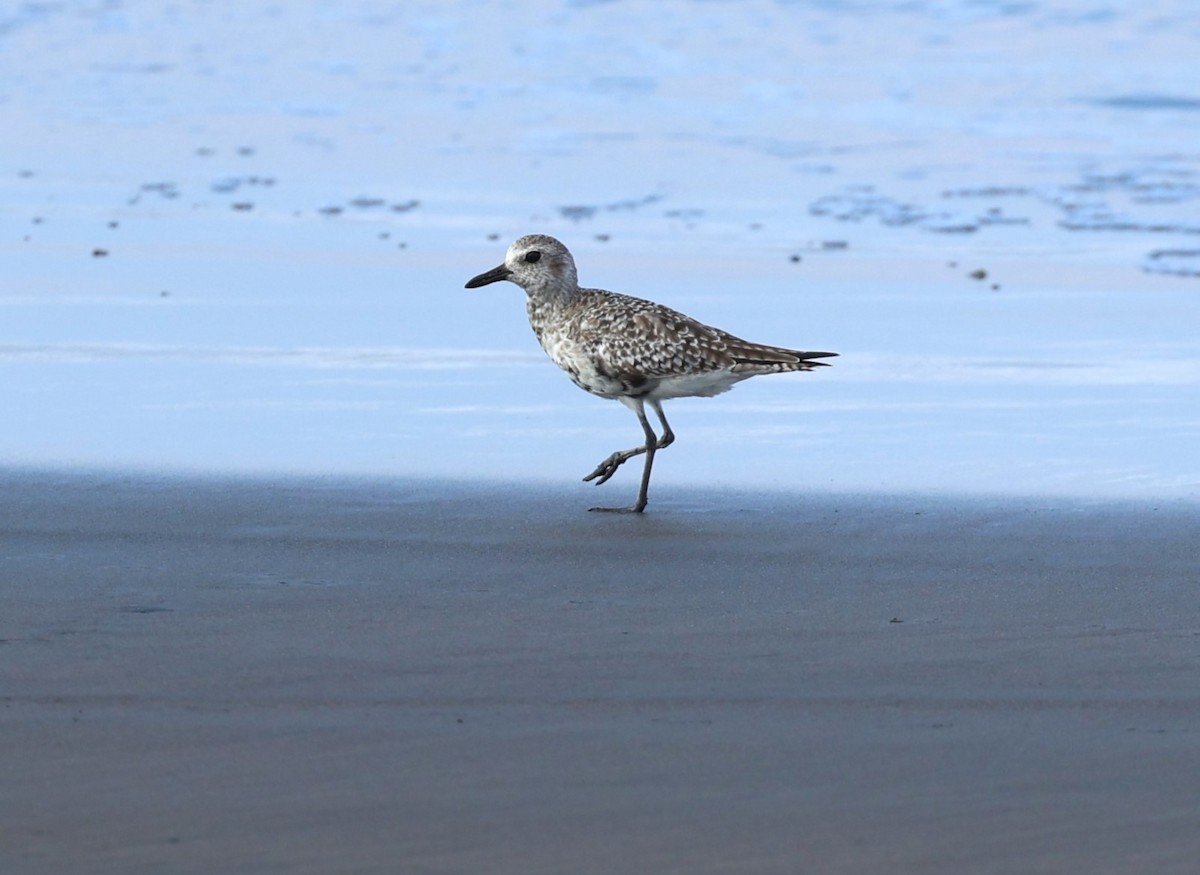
629	349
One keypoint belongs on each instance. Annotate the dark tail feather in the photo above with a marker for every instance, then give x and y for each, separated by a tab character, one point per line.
785	359
805	356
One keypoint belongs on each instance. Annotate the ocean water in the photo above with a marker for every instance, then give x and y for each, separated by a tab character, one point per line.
234	236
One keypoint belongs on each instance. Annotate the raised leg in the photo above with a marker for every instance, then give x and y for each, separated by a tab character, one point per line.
668	436
653	442
610	465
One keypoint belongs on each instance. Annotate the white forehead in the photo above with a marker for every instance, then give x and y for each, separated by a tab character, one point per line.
530	242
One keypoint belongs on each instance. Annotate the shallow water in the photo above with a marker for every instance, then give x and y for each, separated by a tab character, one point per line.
237	242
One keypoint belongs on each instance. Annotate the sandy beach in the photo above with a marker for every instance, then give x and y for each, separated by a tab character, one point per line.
214	675
362	622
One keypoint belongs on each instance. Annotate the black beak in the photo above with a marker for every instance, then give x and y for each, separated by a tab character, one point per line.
492	276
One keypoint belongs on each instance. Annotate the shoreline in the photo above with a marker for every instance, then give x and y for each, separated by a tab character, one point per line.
214	674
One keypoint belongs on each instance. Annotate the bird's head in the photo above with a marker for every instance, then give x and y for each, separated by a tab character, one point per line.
537	263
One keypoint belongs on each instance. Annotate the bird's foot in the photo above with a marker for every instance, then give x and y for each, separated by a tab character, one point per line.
607	468
633	509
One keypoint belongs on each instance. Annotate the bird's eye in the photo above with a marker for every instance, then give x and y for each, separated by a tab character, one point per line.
531	257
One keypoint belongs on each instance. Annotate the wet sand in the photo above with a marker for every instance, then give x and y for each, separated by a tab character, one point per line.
227	676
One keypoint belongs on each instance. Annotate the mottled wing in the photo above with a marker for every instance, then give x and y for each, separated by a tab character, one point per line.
754	358
634	338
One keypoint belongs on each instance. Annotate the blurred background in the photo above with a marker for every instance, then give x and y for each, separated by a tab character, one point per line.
234	236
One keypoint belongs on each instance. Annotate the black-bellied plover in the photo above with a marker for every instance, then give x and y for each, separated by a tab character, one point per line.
634	351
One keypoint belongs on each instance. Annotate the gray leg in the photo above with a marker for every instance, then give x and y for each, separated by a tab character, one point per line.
608	467
668	436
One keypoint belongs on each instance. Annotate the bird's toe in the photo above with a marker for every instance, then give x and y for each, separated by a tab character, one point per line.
605	469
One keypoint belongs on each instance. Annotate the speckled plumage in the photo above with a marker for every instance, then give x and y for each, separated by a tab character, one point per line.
630	349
